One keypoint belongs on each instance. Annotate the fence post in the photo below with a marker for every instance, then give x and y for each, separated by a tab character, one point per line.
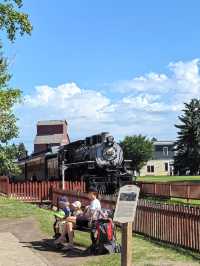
155	190
188	193
8	186
170	190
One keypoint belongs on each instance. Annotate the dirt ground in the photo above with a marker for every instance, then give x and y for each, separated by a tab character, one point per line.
27	231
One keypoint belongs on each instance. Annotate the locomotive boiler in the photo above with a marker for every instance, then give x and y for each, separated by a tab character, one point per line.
98	160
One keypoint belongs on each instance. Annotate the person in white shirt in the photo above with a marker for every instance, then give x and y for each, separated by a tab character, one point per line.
84	220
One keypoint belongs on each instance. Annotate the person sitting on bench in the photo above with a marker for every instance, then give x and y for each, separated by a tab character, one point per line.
83	220
60	215
76	208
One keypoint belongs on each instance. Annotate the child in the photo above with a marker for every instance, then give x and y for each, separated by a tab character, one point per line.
60	216
76	208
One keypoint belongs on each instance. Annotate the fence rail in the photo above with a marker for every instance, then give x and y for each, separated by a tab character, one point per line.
35	191
175	224
174	190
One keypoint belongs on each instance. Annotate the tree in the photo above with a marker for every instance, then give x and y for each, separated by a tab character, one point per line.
12	21
188	142
138	149
22	152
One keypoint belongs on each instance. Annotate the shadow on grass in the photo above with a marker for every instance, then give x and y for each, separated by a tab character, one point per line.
190	253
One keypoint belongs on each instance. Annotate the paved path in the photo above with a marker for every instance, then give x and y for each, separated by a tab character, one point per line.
26	239
12	253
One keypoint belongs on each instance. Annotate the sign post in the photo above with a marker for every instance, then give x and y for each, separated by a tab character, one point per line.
125	214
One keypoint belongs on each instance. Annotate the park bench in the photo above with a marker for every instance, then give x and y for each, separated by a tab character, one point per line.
102	235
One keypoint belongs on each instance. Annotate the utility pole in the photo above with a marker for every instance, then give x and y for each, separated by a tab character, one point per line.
63	175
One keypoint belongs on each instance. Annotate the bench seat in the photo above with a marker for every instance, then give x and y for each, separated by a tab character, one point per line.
82	229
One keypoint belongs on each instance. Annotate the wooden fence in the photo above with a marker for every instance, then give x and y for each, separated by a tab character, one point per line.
174	224
168	190
35	191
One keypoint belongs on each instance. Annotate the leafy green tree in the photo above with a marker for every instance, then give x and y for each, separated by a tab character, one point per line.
22	152
12	22
138	149
188	142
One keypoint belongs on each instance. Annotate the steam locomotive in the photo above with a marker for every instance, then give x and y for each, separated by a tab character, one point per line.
97	160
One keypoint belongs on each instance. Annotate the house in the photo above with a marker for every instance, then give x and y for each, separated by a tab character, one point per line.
162	160
51	133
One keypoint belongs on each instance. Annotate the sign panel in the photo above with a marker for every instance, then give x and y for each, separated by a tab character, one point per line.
126	204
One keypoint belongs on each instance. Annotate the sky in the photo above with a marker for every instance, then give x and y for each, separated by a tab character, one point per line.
125	67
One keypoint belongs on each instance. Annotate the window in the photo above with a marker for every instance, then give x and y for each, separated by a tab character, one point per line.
150	168
166	167
165	151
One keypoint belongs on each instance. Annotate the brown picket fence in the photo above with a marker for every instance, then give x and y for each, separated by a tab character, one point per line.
175	224
35	191
178	225
175	190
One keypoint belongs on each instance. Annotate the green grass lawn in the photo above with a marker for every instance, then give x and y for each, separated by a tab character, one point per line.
184	201
168	178
144	252
174	201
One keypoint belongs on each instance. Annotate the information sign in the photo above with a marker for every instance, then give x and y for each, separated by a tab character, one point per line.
126	204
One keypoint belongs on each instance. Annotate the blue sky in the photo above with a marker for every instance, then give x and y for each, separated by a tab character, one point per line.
121	66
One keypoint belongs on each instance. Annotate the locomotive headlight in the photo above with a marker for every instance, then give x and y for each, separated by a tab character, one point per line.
109	154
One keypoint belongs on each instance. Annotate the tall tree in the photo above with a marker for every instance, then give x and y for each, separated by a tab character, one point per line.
138	149
12	22
22	152
188	142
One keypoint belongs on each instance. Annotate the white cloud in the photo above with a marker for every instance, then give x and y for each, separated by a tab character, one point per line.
70	100
148	104
184	79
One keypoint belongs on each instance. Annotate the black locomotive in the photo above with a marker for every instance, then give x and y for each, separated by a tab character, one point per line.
97	160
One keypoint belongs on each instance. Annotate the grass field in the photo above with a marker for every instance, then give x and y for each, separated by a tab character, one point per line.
144	252
174	201
168	178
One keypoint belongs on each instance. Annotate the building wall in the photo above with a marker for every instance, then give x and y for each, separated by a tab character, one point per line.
49	129
50	133
66	139
158	167
40	147
44	147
